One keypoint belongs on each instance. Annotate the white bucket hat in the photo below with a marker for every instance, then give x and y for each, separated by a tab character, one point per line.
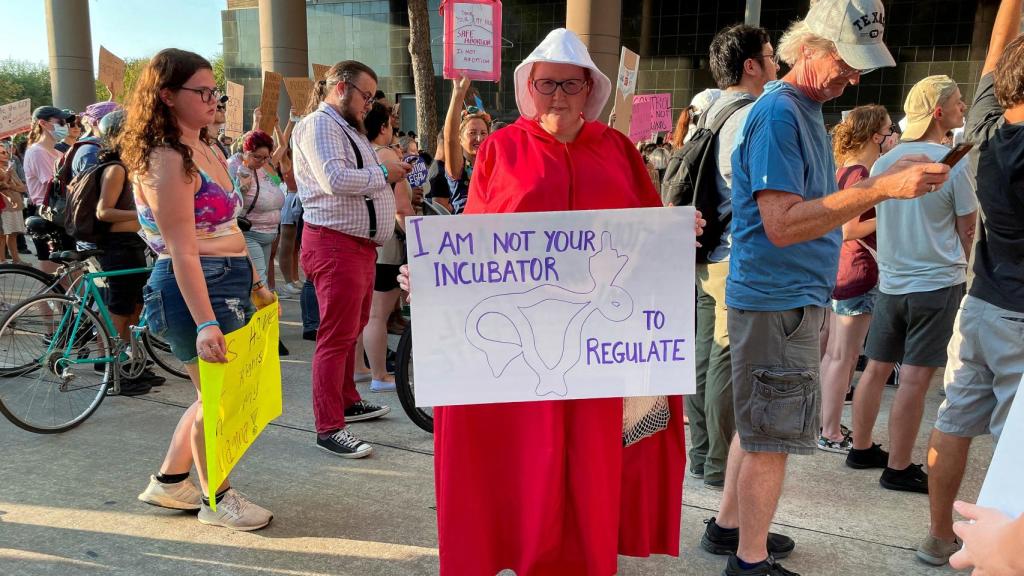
563	47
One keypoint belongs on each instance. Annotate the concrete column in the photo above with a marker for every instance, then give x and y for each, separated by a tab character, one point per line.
71	74
753	13
283	47
598	23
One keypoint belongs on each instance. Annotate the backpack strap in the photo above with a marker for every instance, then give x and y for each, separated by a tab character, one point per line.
727	113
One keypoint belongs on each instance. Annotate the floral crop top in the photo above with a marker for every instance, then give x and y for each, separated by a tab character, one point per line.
216	212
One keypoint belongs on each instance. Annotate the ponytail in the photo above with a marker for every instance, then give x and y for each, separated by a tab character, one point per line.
316	96
682	127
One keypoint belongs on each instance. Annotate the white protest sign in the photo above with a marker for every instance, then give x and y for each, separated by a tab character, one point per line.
472	39
552	305
15	118
1001	489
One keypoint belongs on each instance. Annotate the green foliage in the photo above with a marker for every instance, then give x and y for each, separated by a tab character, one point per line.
20	80
218	71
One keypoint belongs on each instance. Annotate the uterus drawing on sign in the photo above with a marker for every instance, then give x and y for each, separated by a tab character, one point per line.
503	326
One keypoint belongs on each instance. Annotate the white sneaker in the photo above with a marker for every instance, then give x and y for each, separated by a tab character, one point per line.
236	512
298	285
289	291
178	496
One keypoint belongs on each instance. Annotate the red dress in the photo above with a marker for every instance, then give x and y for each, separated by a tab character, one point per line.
546	488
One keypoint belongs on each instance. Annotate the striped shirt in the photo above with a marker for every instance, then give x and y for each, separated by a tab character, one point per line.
331	186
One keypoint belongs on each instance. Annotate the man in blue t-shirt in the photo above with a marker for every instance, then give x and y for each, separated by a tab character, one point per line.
786	224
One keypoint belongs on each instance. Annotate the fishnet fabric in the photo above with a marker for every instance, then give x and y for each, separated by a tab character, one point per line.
642	417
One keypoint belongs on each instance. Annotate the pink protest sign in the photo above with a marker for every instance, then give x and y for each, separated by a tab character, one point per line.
472	39
651	113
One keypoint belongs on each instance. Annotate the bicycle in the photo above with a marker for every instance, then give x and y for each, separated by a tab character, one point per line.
61	354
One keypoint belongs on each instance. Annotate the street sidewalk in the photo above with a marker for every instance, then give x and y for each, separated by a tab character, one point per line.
68	502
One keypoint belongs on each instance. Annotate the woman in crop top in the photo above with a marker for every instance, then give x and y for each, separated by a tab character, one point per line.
203	284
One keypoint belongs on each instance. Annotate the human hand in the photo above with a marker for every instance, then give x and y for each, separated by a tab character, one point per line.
262	297
462	85
404	282
396	170
698	224
417	196
913	176
211	346
990	542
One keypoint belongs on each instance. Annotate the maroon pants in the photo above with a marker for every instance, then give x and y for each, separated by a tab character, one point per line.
341	268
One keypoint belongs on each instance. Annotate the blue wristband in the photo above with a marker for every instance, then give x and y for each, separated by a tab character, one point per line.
204	325
384	170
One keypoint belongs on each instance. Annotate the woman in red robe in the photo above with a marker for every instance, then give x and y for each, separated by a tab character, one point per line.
547	488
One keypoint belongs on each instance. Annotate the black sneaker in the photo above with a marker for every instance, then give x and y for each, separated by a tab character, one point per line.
152	378
767	568
911	479
309	335
873	457
697	472
282	350
364	410
721	541
716	485
344	444
134	387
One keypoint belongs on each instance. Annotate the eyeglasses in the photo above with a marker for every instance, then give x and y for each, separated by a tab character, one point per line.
570	87
773	57
367	96
207	95
845	69
259	157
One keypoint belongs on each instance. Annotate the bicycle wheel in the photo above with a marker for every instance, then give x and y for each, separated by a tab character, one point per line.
19	282
422	417
54	391
160	352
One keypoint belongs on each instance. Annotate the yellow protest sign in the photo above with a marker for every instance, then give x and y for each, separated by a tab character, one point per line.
242	396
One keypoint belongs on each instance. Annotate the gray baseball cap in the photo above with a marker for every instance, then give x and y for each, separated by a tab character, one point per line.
855	27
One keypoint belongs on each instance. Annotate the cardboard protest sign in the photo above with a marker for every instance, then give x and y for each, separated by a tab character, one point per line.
112	71
416	177
241	397
15	118
552	305
320	71
268	101
298	92
235	113
472	39
651	113
1001	489
625	87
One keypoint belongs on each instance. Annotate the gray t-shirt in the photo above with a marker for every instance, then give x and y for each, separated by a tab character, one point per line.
918	247
724	147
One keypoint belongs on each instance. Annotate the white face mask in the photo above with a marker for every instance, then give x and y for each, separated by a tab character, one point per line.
60	132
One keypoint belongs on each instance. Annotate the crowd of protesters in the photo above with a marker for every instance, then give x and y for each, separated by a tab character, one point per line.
824	253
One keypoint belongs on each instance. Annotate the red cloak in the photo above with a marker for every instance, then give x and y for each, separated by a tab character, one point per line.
546	488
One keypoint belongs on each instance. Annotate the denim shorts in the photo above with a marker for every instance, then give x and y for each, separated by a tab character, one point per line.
291	211
229	284
863	304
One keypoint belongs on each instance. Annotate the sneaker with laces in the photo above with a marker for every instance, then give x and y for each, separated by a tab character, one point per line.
937	552
345	444
178	496
911	479
767	568
837	446
873	457
237	512
364	410
721	541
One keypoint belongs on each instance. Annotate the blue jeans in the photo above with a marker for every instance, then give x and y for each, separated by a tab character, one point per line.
228	282
310	307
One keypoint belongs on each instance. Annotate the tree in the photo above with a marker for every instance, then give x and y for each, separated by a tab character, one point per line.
218	71
422	74
20	80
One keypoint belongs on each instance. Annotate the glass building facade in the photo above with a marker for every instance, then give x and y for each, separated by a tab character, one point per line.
672	37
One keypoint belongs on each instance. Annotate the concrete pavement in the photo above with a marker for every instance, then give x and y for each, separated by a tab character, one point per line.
68	502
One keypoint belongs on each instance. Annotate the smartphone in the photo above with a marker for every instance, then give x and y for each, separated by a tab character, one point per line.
957	154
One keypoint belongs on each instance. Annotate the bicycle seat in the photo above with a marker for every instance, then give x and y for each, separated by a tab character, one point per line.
73	256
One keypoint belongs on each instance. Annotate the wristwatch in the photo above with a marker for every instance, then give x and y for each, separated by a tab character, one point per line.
257	285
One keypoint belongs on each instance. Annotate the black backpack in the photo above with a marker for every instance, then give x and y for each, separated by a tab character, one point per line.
83	196
55	202
691	178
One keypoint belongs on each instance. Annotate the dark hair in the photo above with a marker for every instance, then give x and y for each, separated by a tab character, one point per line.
344	71
1009	75
257	139
731	48
376	119
378	95
149	123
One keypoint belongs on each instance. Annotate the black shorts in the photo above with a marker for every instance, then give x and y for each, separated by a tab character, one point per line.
914	328
121	251
386	279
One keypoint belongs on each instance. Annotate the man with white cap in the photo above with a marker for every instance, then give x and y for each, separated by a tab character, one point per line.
556	487
923	249
787	215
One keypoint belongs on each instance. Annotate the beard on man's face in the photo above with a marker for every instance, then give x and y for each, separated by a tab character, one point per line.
353	118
